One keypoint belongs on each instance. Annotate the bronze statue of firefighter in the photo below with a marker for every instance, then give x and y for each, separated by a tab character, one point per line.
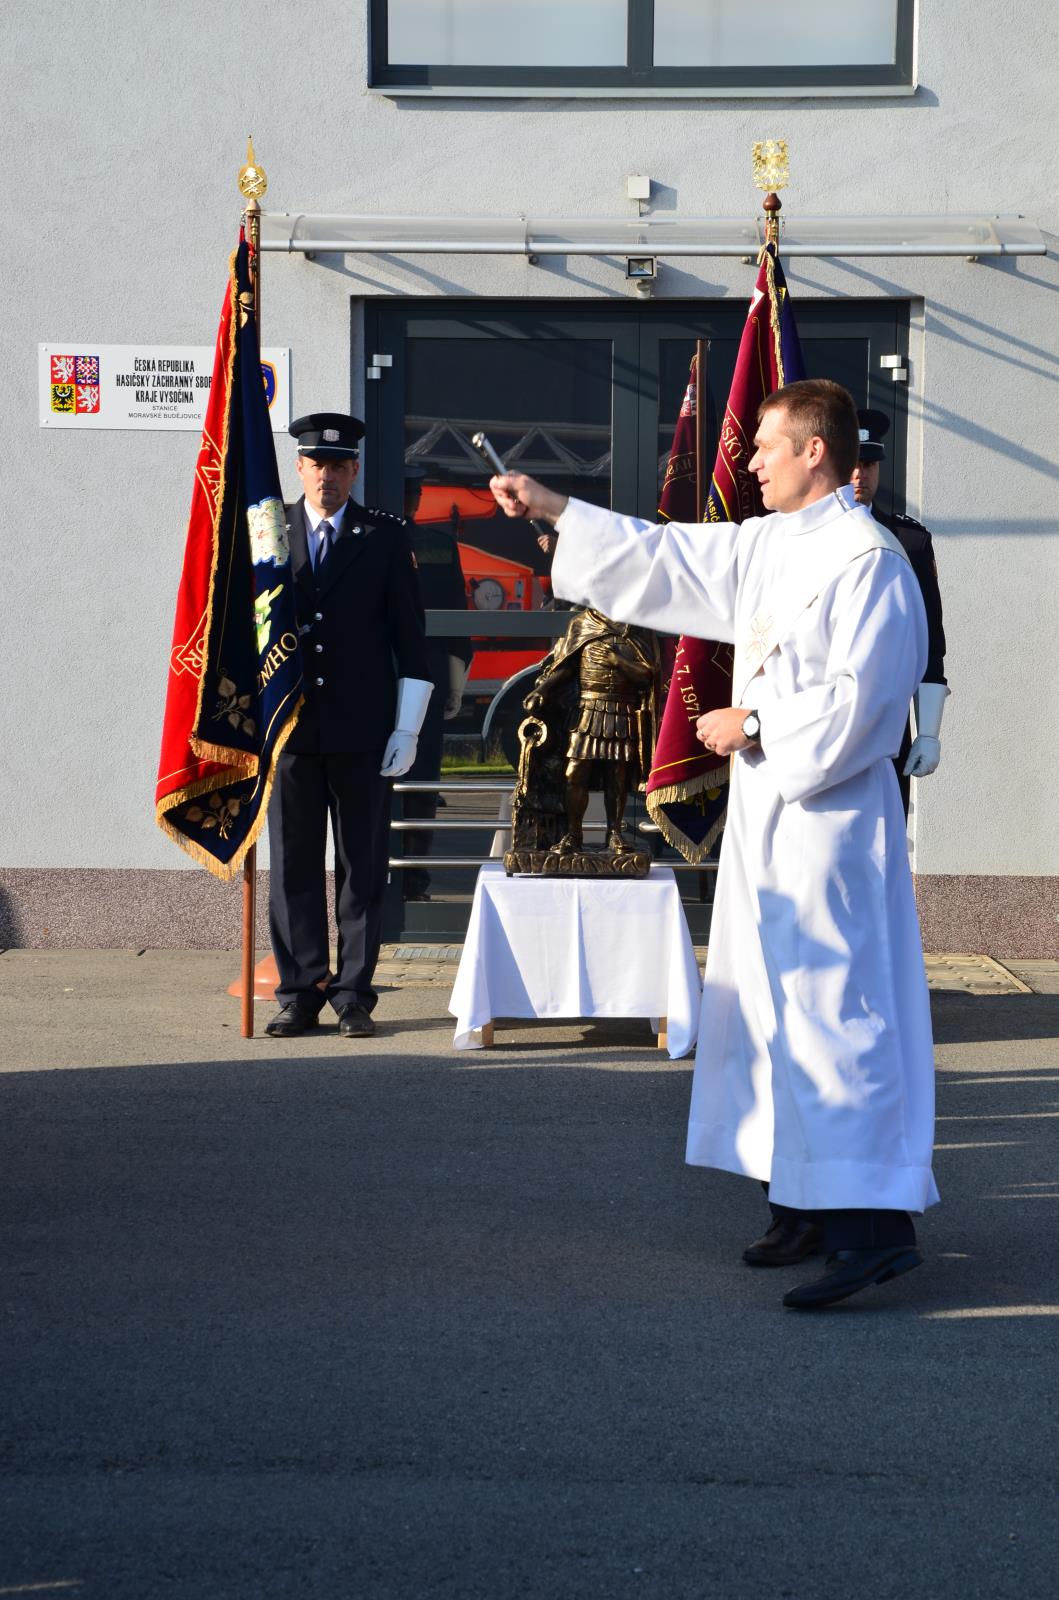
591	725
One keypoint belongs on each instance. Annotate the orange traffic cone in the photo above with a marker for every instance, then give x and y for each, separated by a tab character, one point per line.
265	980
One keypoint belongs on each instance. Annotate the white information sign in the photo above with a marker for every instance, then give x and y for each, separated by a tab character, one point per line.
87	385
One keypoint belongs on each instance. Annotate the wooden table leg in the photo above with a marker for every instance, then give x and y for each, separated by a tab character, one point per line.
487	1035
663	1033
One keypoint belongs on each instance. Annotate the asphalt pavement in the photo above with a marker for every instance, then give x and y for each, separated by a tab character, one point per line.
374	1319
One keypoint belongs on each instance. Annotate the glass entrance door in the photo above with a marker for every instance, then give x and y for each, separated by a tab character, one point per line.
551	388
584	397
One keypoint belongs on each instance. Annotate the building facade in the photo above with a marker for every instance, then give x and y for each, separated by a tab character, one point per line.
498	139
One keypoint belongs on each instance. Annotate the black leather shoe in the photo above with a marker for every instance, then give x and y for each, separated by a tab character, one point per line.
850	1271
291	1021
355	1023
790	1239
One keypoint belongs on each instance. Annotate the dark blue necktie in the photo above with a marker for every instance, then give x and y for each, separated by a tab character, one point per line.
323	549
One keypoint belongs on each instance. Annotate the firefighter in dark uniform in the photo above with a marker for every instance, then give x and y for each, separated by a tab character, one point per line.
442	586
920	756
360	619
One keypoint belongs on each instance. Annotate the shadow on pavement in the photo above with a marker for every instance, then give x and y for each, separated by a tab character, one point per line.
392	1328
967	1017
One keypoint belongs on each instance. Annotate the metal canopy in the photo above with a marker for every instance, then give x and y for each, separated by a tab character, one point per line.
652	236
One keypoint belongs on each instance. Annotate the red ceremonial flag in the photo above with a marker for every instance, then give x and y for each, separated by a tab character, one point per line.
181	771
235	671
687	790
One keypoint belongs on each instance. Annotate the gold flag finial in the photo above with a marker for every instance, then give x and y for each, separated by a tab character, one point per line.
252	179
770	164
771	172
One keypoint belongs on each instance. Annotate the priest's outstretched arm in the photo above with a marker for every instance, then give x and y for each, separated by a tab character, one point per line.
674	577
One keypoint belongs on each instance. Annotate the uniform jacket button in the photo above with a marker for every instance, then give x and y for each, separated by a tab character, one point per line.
319	683
319	649
318	616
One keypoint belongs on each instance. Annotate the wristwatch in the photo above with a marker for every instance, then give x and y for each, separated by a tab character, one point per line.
752	727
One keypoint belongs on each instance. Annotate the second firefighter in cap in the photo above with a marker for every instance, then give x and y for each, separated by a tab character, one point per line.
442	587
920	756
367	684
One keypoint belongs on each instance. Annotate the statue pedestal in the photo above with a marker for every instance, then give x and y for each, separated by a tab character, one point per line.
577	863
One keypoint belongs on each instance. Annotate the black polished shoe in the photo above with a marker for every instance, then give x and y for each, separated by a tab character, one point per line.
790	1239
291	1021
850	1271
355	1023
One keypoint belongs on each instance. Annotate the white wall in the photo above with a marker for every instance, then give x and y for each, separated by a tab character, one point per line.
120	155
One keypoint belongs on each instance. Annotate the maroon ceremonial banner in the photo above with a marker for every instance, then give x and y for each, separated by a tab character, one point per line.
687	790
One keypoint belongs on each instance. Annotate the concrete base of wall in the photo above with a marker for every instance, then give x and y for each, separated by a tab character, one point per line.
83	908
99	908
1017	918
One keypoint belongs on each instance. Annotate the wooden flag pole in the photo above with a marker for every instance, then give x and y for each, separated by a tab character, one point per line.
249	920
252	185
772	205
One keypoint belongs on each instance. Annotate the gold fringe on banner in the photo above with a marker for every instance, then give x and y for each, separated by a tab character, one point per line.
224	870
686	792
774	311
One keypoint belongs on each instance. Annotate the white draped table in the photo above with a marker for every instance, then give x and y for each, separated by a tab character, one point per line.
577	947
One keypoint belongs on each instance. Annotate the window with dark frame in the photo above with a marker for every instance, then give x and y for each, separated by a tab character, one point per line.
632	45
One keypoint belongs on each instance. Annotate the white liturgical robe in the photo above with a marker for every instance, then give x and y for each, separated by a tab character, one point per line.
814	1068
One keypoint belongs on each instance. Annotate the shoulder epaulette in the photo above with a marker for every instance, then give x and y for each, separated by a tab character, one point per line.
383	516
908	522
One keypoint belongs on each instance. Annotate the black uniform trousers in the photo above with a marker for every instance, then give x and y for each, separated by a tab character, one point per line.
903	783
308	790
854	1228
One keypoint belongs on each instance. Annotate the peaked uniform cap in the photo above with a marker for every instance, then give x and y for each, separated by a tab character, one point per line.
328	435
874	426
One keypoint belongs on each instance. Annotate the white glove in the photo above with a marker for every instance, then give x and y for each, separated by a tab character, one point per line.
925	754
923	758
458	670
412	697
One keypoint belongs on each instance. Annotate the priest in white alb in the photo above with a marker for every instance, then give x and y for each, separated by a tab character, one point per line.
814	1071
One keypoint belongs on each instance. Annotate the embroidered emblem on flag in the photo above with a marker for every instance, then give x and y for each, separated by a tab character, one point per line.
268	533
189	656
